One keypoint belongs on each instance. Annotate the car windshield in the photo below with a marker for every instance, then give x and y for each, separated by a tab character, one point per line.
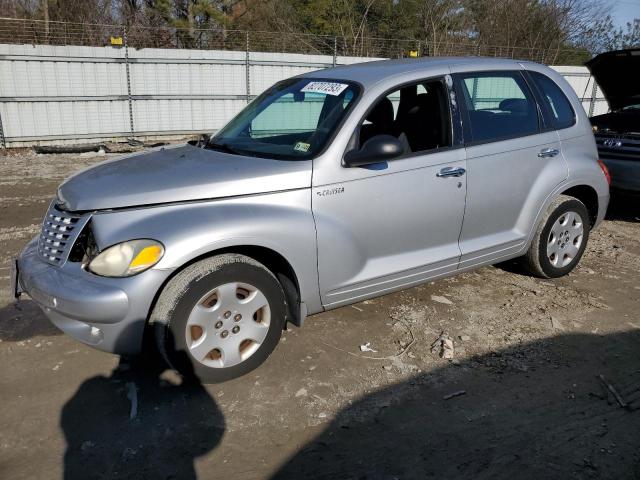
292	120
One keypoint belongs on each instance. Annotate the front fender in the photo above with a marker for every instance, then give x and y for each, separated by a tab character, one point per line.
281	222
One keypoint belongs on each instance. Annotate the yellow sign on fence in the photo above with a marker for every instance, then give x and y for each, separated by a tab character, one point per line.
116	41
413	53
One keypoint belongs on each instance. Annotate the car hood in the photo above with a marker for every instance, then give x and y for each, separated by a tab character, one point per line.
177	174
614	72
623	122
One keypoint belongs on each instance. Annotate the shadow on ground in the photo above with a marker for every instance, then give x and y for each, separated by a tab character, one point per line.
23	320
624	207
537	410
174	424
529	412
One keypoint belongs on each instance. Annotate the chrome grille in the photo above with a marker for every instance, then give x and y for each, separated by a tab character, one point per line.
59	232
622	147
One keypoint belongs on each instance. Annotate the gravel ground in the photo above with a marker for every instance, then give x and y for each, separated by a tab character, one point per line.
527	355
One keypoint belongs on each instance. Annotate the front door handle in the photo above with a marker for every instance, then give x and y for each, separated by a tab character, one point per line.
451	172
548	152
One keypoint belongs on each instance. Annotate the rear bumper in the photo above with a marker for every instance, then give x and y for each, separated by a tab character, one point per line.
625	174
107	313
603	204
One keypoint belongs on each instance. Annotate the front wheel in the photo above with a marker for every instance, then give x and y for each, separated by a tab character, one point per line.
219	318
560	239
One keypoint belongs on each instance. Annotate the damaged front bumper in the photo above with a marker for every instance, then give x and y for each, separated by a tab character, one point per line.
106	313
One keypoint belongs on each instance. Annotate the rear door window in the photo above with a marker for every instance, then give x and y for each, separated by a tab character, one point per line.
558	105
499	106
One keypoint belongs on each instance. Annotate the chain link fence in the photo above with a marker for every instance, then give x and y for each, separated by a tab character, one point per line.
72	82
38	32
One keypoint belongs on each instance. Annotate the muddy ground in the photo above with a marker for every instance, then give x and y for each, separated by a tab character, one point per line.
528	353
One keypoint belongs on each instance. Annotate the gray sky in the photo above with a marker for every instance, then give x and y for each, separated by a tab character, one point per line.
625	11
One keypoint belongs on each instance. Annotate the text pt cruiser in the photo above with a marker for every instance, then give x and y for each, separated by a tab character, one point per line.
328	189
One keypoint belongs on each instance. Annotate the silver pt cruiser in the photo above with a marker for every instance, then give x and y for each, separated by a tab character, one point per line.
329	188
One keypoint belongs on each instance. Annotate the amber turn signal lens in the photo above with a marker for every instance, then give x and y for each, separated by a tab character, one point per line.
127	258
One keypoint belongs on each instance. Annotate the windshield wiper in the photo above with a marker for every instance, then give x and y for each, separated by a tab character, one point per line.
223	147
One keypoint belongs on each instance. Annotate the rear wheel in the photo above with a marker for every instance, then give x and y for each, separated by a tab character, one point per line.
560	239
219	318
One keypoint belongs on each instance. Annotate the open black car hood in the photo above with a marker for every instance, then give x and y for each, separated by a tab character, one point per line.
617	74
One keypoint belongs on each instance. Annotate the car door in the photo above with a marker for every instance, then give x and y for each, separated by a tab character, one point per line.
393	224
513	164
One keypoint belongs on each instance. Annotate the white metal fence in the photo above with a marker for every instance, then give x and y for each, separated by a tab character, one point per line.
73	94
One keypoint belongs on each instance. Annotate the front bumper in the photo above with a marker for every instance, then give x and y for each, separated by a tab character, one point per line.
625	174
107	313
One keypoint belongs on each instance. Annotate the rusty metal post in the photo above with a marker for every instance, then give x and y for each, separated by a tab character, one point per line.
335	51
128	73
248	69
594	93
3	141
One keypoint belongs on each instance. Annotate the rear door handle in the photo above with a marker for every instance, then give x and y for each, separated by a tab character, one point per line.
548	152
451	172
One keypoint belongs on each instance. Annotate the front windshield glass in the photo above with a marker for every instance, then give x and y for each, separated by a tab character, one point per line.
292	120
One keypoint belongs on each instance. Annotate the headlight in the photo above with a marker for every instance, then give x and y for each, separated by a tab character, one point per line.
127	258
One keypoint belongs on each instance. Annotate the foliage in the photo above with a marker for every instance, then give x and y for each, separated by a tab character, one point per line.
545	30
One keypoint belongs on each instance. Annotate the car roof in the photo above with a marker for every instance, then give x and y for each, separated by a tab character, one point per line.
370	73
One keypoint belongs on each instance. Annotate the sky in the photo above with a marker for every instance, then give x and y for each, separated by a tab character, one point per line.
625	11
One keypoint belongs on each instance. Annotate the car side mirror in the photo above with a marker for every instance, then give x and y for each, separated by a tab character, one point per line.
204	140
201	141
375	150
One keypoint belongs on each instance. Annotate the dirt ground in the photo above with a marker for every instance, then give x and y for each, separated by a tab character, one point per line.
528	354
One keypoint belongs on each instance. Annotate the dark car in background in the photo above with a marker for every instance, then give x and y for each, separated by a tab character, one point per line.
618	132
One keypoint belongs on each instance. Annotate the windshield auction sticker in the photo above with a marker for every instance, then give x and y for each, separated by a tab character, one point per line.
301	147
329	88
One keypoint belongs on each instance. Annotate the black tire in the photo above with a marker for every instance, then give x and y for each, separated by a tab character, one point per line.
536	260
182	293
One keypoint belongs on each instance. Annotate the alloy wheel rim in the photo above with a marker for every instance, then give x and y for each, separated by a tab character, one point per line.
228	324
565	239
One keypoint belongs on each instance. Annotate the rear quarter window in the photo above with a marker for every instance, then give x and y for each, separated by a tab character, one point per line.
558	105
